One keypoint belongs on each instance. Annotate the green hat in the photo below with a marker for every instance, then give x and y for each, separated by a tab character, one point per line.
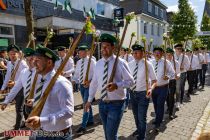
195	49
125	48
137	47
188	50
158	49
108	38
178	45
3	43
170	50
13	47
83	48
202	47
46	52
28	52
3	48
61	48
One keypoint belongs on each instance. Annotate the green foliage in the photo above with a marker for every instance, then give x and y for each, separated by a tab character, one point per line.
184	22
196	43
205	26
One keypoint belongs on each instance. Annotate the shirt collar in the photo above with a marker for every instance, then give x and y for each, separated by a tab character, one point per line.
49	75
110	58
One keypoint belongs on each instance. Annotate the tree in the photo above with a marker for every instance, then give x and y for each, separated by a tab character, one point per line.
29	20
184	22
205	26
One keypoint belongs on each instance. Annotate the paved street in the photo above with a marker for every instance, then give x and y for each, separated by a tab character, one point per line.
181	128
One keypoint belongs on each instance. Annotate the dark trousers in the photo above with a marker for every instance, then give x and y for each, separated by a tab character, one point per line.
87	116
182	85
170	98
190	79
19	103
111	115
159	96
204	69
140	104
26	111
198	77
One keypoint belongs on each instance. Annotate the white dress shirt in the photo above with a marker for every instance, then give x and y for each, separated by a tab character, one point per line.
177	68
186	62
69	67
123	79
21	83
195	63
58	109
76	76
22	66
130	57
206	58
141	76
160	71
200	60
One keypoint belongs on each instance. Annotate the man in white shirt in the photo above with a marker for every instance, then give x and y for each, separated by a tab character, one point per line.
139	96
164	71
69	67
80	78
126	54
184	64
13	70
24	81
204	65
56	115
113	95
199	68
172	82
191	72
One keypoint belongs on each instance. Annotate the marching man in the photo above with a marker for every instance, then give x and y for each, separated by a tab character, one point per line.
56	115
159	94
113	95
172	81
79	77
139	96
14	68
69	67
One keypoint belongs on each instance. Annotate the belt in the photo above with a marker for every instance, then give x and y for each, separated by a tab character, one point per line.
65	130
162	86
113	101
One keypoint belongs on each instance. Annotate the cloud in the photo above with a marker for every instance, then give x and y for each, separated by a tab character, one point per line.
173	8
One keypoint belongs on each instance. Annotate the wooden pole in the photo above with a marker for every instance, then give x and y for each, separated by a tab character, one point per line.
145	64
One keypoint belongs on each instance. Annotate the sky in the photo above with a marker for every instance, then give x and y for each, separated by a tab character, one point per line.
197	5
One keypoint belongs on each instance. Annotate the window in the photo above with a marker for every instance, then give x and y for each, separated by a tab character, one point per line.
6	30
161	13
150	7
156	10
152	29
145	28
158	30
100	9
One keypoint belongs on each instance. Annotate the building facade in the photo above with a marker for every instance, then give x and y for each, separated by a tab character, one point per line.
65	24
151	20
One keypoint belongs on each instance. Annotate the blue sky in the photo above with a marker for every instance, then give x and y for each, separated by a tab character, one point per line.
197	5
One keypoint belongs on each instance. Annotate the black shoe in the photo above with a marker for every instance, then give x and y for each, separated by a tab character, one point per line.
171	117
135	133
81	130
157	129
90	124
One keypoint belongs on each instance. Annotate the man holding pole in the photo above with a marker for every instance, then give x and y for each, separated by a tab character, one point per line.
56	115
164	71
69	67
14	68
79	77
184	66
172	81
113	95
139	95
